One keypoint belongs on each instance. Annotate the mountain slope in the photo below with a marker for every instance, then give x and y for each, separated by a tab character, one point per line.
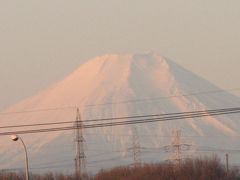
112	86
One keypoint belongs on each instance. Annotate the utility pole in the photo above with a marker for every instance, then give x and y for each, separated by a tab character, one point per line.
136	148
227	163
80	165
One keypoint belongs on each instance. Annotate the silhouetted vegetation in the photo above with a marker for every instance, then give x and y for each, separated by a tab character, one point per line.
197	169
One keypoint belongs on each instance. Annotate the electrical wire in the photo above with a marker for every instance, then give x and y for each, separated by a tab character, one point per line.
38	110
119	118
185	115
123	102
67	163
166	97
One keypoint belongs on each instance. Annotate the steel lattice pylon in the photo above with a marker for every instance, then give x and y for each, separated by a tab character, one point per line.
80	159
136	147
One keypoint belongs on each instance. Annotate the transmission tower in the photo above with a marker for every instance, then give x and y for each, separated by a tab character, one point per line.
80	164
177	147
176	143
136	148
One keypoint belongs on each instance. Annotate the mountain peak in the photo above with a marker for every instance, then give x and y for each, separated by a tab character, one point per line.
116	85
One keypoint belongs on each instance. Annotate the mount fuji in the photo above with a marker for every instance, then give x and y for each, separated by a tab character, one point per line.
118	85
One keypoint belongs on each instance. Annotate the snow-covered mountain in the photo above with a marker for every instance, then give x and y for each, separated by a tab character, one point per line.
116	86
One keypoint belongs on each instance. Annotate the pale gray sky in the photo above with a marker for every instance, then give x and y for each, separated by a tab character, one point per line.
42	41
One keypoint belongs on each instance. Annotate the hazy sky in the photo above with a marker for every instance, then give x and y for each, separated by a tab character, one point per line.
42	41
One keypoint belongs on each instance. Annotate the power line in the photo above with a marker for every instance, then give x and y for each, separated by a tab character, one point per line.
41	167
166	97
185	115
158	119
38	110
123	102
59	166
68	161
156	135
64	163
110	159
192	115
119	118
